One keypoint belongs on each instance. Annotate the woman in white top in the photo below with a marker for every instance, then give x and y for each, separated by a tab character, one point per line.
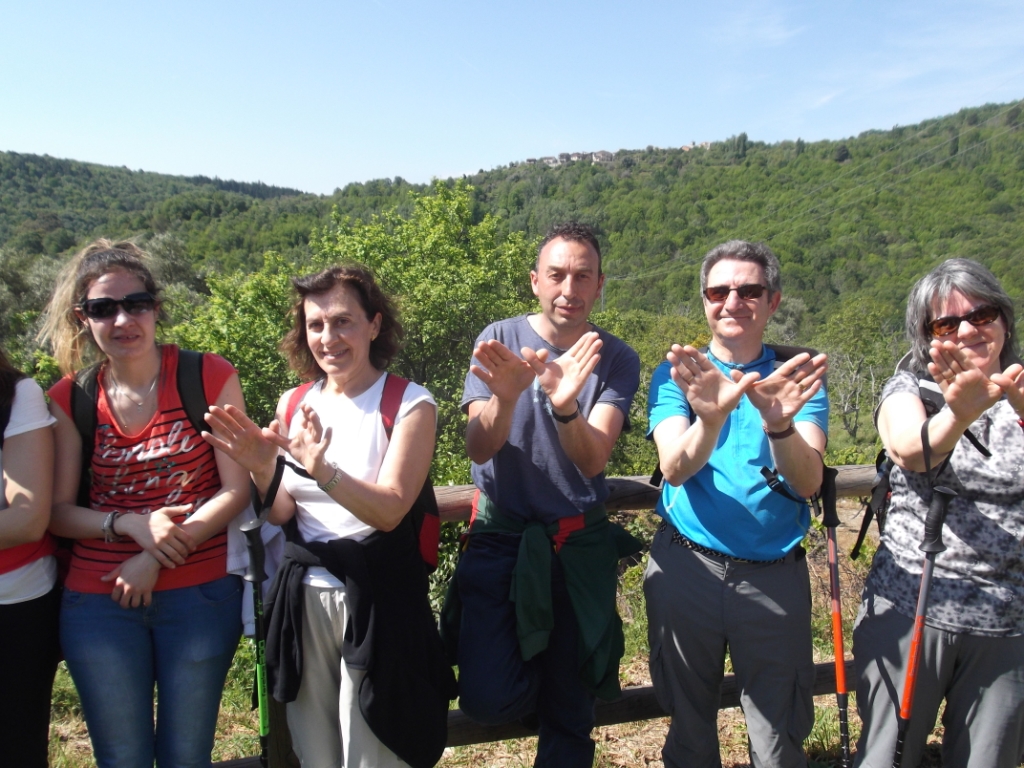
359	482
29	599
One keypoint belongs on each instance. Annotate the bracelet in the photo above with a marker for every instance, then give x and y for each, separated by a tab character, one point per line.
109	534
779	435
566	419
335	479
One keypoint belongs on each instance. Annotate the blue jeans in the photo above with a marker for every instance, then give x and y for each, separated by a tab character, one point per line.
182	643
495	684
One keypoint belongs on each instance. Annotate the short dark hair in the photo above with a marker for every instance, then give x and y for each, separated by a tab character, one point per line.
972	280
371	298
742	250
574	232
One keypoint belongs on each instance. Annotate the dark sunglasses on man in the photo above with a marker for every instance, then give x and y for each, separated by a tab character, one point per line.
105	308
718	293
943	326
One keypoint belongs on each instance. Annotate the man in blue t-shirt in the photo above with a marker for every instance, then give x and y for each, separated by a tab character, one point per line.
726	568
547	396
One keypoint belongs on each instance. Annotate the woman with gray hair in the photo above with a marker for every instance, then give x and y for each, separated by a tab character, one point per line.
960	323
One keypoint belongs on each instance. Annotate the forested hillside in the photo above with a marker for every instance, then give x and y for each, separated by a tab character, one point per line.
854	223
863	216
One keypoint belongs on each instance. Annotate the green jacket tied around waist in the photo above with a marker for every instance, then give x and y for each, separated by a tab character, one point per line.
589	547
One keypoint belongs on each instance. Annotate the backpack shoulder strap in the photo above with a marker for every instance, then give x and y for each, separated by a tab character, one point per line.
85	393
784	352
391	401
293	402
190	388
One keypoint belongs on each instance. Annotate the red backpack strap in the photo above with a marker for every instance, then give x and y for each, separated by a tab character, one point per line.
293	402
391	401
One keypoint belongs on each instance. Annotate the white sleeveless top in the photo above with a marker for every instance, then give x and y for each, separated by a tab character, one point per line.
358	445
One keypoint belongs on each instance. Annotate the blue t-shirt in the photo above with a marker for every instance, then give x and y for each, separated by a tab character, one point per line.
531	477
727	505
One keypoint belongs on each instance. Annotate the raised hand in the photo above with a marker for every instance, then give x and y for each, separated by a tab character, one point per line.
563	379
711	395
241	438
309	444
968	391
158	534
506	375
1011	381
780	397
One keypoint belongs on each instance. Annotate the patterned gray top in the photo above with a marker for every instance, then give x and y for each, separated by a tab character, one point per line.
978	582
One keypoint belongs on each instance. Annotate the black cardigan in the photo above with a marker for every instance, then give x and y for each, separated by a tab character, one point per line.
391	634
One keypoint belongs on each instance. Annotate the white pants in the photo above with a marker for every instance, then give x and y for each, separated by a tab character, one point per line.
328	730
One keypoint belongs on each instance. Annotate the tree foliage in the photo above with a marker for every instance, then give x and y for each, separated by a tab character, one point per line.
450	278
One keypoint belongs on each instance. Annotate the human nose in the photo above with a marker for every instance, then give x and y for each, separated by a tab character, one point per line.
569	287
122	316
328	334
966	329
733	300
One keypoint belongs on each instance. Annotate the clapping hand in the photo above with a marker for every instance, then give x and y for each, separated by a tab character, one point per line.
563	379
241	438
309	444
506	375
780	396
711	395
967	390
1011	381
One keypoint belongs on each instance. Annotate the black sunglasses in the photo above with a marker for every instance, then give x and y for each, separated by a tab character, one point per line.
717	293
133	304
943	326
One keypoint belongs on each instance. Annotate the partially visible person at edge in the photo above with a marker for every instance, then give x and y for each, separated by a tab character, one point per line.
547	395
371	687
960	324
726	568
29	596
147	600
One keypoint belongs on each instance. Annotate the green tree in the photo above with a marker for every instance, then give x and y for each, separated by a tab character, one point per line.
862	342
244	321
450	277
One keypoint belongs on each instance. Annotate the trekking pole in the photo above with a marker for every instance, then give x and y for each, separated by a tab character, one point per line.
830	519
931	545
256	575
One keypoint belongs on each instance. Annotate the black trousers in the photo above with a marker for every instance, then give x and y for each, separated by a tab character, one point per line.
29	651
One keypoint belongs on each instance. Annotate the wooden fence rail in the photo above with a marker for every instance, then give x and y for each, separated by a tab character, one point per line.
637	702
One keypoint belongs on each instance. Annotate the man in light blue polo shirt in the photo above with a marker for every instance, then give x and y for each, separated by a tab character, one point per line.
726	569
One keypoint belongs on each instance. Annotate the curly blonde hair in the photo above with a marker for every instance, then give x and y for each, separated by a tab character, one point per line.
72	344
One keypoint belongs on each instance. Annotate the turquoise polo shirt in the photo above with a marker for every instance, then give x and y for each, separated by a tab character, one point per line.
727	505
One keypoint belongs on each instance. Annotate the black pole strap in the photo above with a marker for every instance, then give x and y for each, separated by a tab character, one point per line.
772	478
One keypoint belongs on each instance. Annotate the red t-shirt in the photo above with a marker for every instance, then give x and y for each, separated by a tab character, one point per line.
166	464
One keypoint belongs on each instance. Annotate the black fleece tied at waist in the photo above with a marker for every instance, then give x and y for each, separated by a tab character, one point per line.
391	635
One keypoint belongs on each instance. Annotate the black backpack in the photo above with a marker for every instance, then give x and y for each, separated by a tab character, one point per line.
85	395
877	504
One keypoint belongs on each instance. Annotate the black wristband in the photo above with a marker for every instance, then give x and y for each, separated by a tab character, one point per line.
779	435
566	419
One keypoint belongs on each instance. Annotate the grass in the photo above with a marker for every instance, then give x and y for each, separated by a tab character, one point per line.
628	744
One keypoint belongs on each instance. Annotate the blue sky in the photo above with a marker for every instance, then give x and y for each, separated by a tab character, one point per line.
313	94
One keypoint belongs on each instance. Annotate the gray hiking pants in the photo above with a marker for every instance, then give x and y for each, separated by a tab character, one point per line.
697	607
981	678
